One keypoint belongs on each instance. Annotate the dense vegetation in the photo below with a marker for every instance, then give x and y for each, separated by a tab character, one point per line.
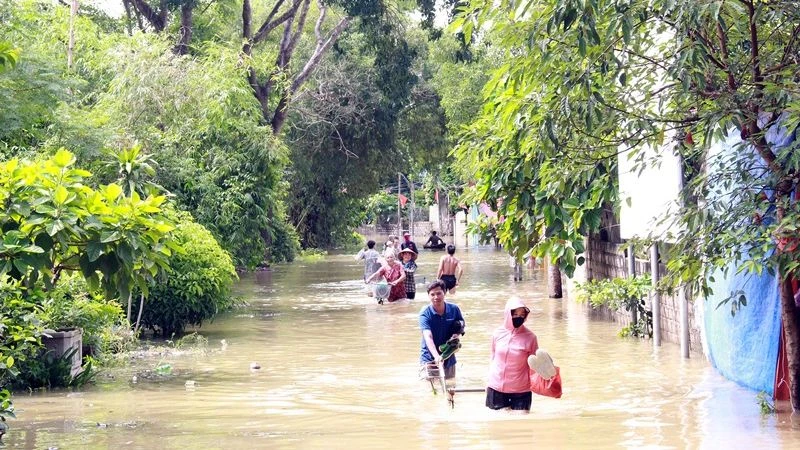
143	157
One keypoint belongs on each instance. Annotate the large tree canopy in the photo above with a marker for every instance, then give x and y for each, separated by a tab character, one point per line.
587	80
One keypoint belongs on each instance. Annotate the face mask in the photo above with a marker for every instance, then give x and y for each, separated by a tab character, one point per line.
517	321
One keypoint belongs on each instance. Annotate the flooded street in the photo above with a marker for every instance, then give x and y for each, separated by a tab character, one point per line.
340	371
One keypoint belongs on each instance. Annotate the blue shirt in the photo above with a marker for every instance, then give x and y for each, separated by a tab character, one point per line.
442	327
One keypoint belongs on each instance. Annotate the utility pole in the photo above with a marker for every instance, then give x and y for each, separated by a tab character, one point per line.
632	275
399	221
655	303
413	205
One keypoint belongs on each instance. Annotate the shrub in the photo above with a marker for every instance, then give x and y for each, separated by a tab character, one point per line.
285	243
312	254
618	294
354	242
20	331
197	284
73	305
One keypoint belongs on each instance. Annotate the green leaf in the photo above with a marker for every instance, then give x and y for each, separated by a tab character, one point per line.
33	249
109	236
63	158
94	250
54	227
60	195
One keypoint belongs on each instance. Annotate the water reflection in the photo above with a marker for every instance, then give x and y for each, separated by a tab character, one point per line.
339	370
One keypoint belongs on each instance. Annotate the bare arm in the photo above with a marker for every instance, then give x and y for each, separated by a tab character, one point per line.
374	275
441	268
428	336
459	271
401	279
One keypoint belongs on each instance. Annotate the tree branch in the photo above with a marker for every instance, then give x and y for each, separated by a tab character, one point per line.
270	24
704	40
322	46
299	29
757	76
760	142
247	21
723	46
157	19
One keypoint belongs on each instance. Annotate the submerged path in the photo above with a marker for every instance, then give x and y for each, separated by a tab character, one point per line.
339	371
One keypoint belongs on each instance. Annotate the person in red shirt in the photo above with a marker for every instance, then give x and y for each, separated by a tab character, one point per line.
394	274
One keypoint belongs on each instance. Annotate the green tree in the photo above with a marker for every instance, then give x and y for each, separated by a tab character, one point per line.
585	81
343	132
196	287
53	222
202	129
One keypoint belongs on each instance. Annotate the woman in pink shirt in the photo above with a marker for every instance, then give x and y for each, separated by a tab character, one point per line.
509	383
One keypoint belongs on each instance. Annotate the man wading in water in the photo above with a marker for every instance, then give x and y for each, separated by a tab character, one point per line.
439	321
450	270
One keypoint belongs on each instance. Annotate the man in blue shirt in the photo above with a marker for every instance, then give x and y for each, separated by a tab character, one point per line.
438	321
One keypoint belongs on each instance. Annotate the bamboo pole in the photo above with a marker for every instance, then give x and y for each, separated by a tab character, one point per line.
73	11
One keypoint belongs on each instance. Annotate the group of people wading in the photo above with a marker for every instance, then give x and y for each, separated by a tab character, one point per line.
397	265
516	360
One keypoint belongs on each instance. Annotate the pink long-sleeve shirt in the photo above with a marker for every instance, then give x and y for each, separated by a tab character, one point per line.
508	370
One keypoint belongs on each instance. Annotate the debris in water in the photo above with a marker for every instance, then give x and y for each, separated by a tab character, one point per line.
255	366
190	384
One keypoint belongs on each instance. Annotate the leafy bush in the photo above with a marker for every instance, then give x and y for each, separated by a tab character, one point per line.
72	305
354	242
312	254
285	243
51	222
48	371
20	327
618	294
197	284
20	331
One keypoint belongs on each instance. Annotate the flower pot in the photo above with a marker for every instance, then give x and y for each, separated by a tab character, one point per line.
63	341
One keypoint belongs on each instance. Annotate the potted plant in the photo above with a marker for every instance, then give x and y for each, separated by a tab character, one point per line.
74	318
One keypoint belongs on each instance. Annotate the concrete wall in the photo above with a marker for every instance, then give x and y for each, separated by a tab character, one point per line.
607	260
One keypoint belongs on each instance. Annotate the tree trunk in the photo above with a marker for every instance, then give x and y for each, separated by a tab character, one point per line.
139	315
73	11
185	32
554	281
156	18
128	316
791	329
279	117
789	309
129	20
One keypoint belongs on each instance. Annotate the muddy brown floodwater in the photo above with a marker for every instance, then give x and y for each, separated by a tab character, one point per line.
340	371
